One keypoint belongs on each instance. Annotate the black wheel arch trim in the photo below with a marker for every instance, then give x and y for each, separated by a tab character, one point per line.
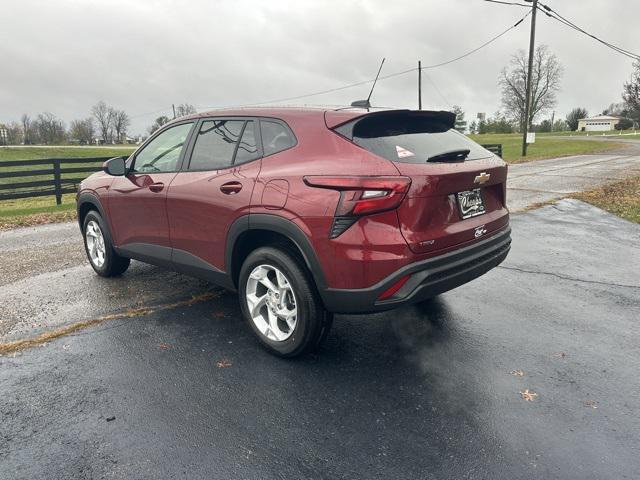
94	200
283	226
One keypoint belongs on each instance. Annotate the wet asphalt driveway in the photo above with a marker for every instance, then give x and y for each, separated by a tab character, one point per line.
430	391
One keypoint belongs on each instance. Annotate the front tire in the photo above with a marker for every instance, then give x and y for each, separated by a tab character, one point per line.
99	247
280	302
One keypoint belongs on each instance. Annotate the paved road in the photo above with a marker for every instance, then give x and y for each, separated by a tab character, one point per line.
46	281
430	392
547	180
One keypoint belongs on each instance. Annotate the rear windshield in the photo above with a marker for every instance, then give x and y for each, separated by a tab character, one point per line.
409	137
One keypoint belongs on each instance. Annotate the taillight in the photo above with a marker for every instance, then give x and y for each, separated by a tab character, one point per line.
361	196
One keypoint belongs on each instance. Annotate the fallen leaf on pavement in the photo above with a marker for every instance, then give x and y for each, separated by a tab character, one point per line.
224	363
517	373
164	346
527	395
591	403
560	354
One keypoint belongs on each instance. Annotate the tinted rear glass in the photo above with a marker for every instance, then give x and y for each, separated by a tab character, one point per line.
275	137
408	138
247	148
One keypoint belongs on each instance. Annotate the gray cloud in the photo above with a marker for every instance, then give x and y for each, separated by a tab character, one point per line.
143	56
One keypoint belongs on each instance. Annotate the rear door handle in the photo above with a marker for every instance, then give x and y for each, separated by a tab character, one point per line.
231	188
156	187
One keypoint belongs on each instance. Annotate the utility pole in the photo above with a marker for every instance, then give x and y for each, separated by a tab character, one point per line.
174	111
419	85
553	117
527	100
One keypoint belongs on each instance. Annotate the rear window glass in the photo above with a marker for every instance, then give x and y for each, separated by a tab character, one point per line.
408	138
275	137
247	148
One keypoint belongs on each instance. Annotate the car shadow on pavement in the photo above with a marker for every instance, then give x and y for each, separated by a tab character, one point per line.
378	386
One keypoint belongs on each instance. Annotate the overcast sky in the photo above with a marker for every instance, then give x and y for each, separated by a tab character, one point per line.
63	56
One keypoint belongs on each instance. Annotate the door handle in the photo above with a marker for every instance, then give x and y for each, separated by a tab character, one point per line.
231	188
156	187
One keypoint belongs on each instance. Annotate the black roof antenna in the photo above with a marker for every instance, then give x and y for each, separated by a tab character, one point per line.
366	103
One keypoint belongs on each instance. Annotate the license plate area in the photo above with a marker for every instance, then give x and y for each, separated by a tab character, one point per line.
470	203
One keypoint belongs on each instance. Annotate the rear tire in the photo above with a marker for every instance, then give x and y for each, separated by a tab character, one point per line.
99	247
273	283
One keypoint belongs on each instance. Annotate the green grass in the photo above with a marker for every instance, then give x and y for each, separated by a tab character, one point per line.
26	211
543	147
33	153
626	134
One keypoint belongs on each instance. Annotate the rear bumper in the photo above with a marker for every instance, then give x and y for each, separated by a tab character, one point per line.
428	278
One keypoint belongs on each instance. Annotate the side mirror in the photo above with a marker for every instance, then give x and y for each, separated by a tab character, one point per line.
115	166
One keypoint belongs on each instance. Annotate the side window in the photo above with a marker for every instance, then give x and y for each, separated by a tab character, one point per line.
215	144
247	148
163	152
275	137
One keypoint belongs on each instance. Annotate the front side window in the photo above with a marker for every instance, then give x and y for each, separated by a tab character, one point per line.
163	152
275	137
216	144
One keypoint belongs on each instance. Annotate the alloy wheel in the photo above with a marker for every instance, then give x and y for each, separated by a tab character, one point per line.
271	303
95	243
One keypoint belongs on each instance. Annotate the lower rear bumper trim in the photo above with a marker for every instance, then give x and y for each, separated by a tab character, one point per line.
428	278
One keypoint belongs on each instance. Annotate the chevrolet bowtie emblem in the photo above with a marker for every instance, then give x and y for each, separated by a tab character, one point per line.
482	178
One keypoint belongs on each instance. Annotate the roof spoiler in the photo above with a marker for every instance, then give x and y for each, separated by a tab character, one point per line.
337	118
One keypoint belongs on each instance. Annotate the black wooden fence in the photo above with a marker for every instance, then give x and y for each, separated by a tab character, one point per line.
31	181
494	148
64	179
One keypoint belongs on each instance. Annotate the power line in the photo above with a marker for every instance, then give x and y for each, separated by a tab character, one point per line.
481	46
549	12
435	87
364	82
391	75
509	3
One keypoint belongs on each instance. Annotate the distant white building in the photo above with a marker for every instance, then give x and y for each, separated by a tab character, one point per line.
601	123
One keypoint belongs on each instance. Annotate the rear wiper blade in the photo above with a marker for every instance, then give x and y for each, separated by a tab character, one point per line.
450	156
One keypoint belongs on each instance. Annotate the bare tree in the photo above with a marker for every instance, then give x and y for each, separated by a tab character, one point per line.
185	109
82	130
27	129
103	114
616	109
545	83
160	121
50	129
631	94
120	122
14	133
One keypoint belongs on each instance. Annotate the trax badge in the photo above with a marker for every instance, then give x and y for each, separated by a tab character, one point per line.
482	178
480	231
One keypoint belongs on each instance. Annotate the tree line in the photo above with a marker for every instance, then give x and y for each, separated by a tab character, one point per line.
104	125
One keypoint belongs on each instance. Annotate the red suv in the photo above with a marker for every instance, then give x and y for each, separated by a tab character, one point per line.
305	212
